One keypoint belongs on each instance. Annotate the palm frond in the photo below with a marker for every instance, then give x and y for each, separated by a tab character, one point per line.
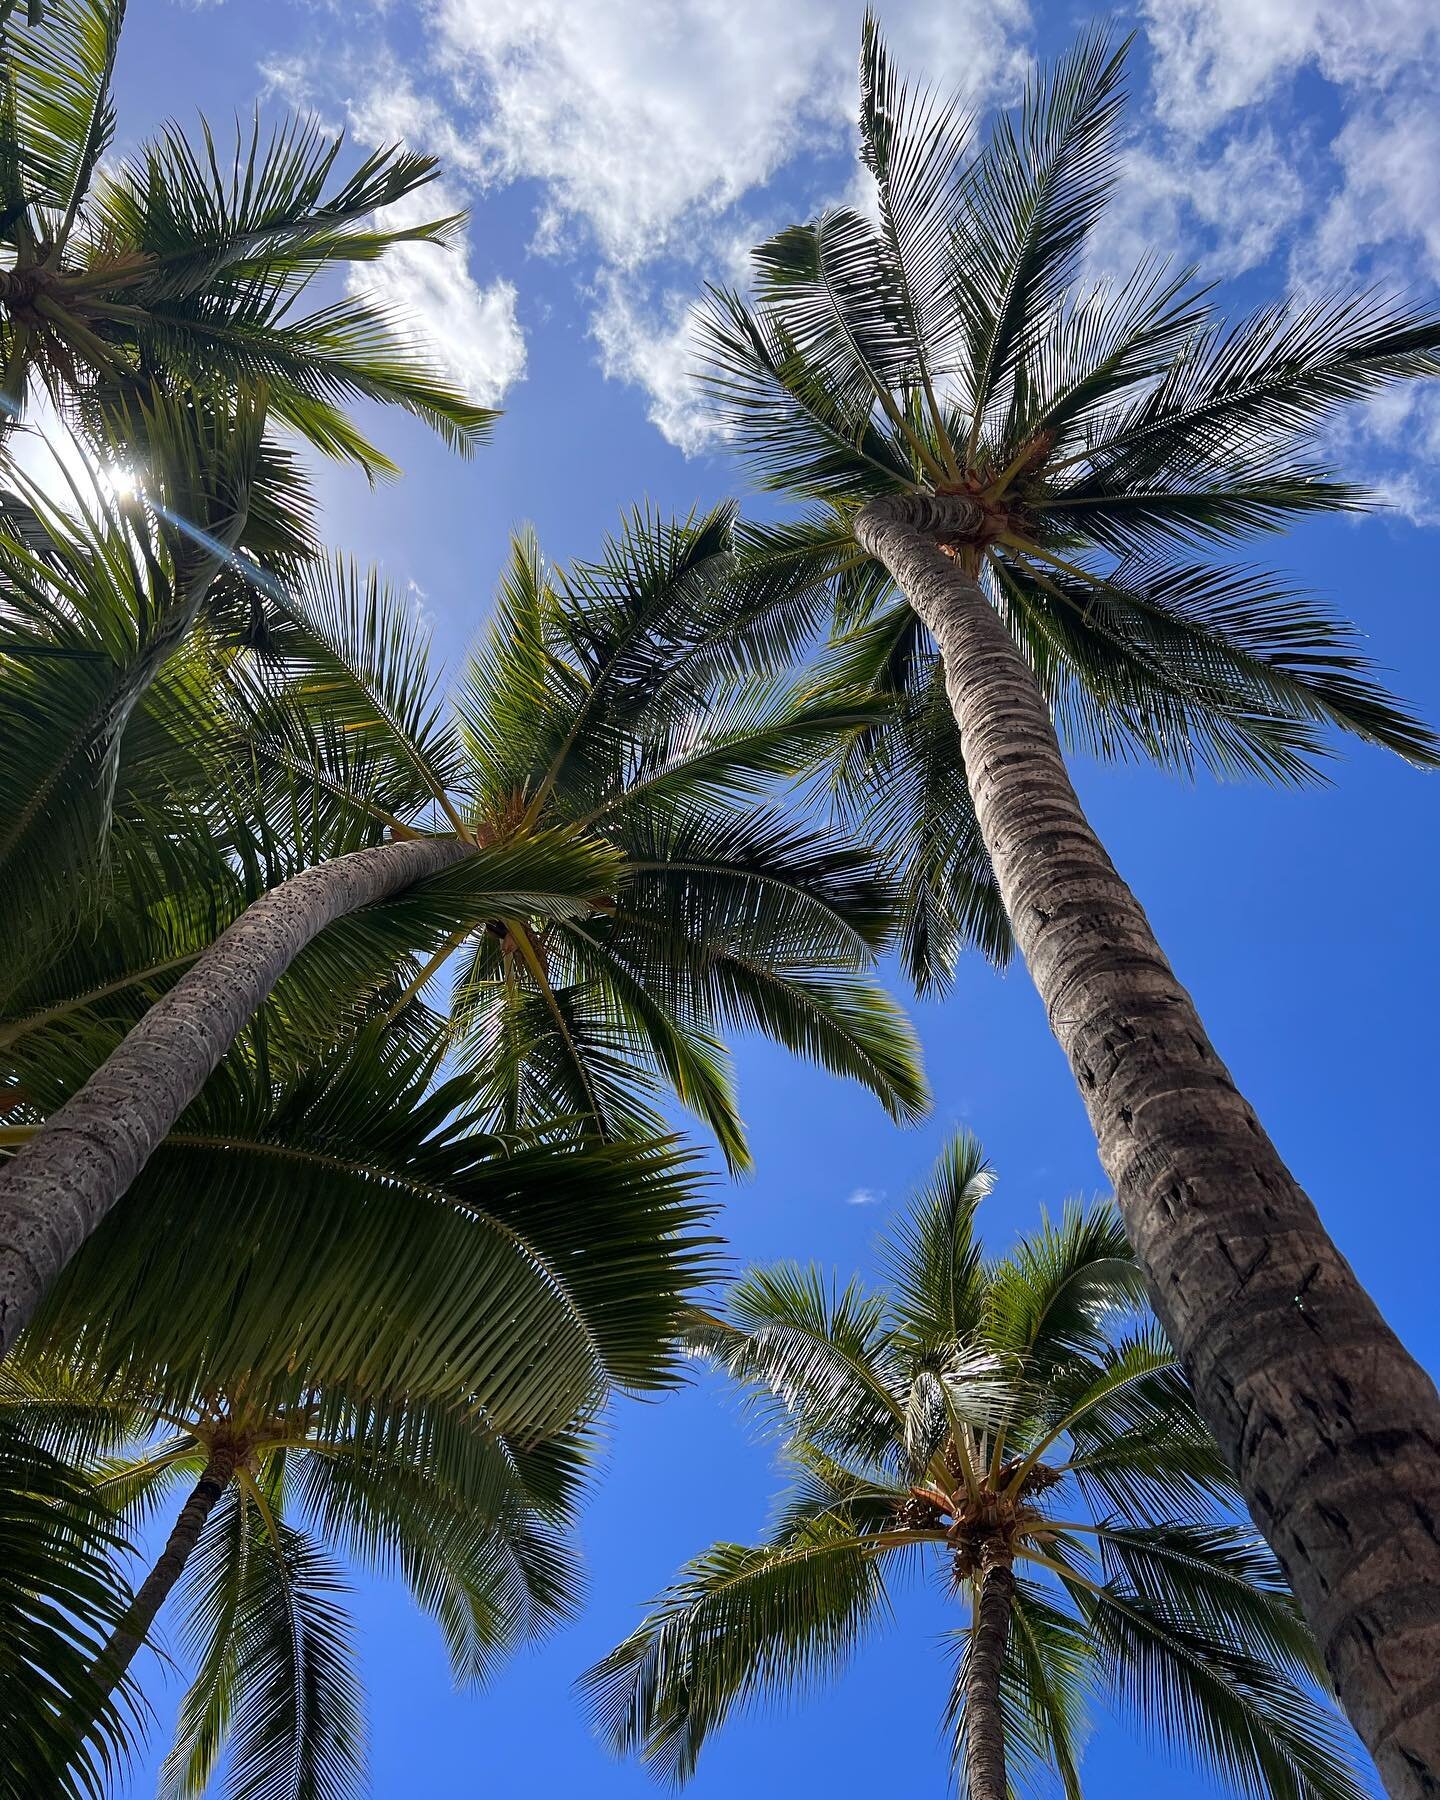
60	1598
740	1622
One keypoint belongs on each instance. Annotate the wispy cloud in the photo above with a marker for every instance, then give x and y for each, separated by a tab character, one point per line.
658	137
863	1196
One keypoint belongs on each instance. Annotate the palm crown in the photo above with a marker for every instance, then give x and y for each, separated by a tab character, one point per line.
1098	439
608	704
185	264
1019	1420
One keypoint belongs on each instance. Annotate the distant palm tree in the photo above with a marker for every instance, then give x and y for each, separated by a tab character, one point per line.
334	1299
1022	1427
473	1522
594	835
1014	475
185	265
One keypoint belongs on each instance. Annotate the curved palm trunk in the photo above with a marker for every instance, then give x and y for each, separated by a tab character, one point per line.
984	1725
57	1189
151	1595
1332	1428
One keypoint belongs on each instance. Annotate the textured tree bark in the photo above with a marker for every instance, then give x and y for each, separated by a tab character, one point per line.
57	1189
984	1726
1332	1428
151	1595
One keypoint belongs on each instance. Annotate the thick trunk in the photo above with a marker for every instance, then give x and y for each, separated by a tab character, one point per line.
1332	1429
151	1595
57	1189
994	1583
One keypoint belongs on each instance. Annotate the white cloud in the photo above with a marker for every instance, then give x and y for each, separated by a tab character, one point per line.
1214	56
863	1196
645	120
647	126
1369	217
1389	155
470	332
654	346
1230	211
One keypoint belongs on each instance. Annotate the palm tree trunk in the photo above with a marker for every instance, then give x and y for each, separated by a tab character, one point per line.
1332	1428
134	1627
57	1189
994	1583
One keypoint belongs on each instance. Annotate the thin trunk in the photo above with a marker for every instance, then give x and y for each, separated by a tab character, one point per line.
994	1583
55	1191
1332	1429
151	1595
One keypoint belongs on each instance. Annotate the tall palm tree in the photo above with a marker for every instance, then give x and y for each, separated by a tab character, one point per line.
1023	1428
596	837
1015	476
186	264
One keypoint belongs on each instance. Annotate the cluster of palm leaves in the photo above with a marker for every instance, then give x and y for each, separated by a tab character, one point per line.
347	1002
369	1294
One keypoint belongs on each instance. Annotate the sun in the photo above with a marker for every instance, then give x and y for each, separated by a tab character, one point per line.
123	482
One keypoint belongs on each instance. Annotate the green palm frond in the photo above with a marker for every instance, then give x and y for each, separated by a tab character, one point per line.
1063	1291
84	631
803	1347
60	1597
901	787
186	261
365	1234
1027	206
1204	1692
739	1622
297	1726
938	1285
481	1556
55	93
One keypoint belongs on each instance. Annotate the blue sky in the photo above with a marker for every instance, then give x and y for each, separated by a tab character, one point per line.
615	154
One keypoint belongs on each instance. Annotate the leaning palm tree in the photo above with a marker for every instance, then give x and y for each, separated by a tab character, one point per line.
186	264
605	699
598	839
1022	1427
1017	481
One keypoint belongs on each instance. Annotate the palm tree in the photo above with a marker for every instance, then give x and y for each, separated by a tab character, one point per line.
335	1299
594	836
1022	1427
1013	476
186	264
474	1523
